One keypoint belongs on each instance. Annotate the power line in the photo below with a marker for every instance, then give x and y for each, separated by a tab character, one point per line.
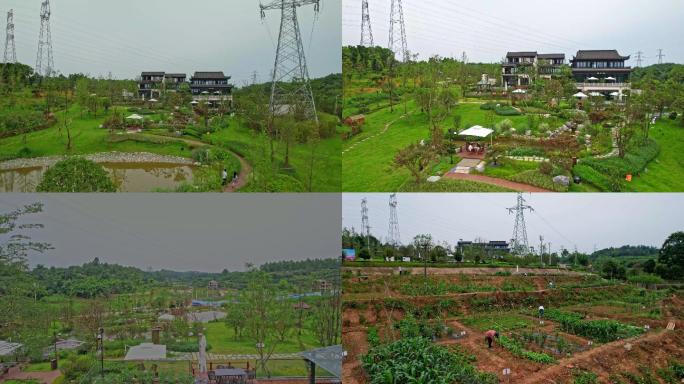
366	30
364	221
10	56
290	87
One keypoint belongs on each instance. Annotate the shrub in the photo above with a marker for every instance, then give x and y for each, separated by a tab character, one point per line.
517	349
526	151
673	115
545	167
504	125
538	179
76	174
507	111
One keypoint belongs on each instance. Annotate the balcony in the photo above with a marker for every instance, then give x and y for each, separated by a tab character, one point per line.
604	85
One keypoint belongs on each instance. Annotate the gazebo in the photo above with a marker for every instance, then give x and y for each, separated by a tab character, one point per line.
137	119
478	131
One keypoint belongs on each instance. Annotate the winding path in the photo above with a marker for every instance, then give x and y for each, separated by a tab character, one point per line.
245	167
519	187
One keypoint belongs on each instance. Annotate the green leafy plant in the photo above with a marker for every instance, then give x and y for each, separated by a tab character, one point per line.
76	174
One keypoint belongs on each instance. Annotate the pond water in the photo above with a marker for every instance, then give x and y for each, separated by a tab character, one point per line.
128	177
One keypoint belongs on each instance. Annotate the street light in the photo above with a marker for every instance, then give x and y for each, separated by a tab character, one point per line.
100	338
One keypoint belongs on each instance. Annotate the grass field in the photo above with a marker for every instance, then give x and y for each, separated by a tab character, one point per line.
368	163
222	341
666	172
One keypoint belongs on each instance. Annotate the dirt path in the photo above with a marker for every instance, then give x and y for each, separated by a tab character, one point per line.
387	127
245	167
42	377
519	187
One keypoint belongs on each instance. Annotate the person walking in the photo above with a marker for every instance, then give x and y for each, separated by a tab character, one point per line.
489	337
541	311
224	177
235	178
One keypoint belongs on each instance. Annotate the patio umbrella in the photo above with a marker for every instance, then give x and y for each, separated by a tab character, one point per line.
194	102
520	91
581	95
592	78
595	94
134	117
152	100
610	78
205	92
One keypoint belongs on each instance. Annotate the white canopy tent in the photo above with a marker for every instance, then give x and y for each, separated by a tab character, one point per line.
580	95
478	131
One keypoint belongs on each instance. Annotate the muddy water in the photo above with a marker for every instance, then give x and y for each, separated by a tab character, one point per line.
128	177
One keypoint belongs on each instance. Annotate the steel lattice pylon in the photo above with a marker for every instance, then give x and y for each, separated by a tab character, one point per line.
519	245
365	226
10	56
393	237
366	30
290	89
397	44
45	63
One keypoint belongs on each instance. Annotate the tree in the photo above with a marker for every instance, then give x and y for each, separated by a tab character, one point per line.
415	158
76	174
649	266
364	254
671	256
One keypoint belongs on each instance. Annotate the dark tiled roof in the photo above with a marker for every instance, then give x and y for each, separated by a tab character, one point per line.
521	54
551	56
211	86
183	75
605	54
153	74
210	75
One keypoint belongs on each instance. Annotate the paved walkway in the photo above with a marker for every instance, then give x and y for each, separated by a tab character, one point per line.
519	187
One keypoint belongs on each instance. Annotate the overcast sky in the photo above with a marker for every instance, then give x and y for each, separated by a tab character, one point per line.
487	29
564	219
127	37
183	231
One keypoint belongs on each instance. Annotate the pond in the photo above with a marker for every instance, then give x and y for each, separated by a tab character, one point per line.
128	177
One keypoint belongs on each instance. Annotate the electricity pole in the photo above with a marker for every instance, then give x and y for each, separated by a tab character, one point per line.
364	222
10	56
45	63
366	30
660	56
519	245
397	31
290	86
393	230
638	58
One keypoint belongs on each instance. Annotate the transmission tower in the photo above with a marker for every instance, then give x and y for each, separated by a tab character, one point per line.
366	30
10	56
660	56
290	87
365	226
45	64
519	245
393	231
397	38
638	58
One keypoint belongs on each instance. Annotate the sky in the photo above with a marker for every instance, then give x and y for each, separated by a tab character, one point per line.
127	37
182	232
564	219
487	29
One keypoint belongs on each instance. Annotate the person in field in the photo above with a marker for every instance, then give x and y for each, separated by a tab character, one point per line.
541	311
224	177
489	337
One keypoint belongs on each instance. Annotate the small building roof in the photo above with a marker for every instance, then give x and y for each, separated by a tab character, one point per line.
550	56
146	351
178	75
600	54
7	348
153	73
522	54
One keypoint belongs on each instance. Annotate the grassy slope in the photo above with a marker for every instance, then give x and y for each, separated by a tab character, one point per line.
369	165
326	176
666	172
87	138
222	341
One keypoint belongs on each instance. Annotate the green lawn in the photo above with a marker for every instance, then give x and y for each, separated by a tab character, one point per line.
222	341
368	165
666	172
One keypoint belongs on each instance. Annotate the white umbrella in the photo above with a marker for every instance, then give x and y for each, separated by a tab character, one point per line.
610	78
520	91
581	95
205	92
152	100
592	78
615	94
595	94
194	102
134	117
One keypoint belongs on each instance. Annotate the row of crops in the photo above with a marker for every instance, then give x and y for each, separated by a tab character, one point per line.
600	330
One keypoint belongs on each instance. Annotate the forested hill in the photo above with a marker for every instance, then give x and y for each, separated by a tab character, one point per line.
626	250
95	279
660	72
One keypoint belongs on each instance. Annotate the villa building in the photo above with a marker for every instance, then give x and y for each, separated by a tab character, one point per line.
173	81
150	85
519	69
602	71
212	88
490	246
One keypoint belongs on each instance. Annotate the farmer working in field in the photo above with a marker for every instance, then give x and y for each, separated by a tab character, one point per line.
489	337
541	311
